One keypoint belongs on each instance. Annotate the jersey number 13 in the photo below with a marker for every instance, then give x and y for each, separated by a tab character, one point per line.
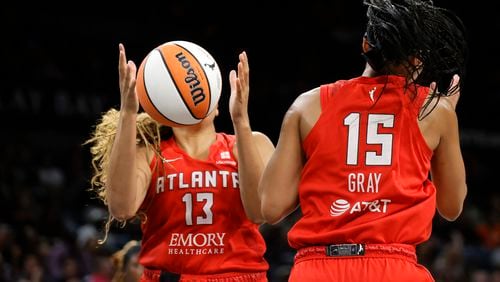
207	199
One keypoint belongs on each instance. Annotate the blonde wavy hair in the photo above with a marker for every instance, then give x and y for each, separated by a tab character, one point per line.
149	134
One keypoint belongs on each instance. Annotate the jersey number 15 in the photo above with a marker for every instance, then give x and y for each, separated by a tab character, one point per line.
373	137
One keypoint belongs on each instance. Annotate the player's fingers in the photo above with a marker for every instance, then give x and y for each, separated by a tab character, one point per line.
131	76
122	60
245	70
232	81
455	84
432	87
122	65
244	60
242	77
455	90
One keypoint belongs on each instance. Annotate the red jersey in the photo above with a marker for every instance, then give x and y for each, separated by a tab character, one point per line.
195	221
366	175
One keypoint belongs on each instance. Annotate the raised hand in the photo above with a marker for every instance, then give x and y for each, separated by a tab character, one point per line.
127	78
455	94
240	89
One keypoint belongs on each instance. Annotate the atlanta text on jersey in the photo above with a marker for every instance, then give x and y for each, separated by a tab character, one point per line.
198	179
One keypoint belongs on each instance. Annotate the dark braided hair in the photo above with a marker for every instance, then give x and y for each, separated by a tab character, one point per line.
400	29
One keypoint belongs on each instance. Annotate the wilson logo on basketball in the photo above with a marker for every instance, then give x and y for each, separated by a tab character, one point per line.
178	83
191	79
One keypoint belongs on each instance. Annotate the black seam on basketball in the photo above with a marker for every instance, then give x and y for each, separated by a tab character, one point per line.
175	84
208	82
149	98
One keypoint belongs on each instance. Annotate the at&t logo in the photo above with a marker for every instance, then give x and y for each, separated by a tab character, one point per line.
341	206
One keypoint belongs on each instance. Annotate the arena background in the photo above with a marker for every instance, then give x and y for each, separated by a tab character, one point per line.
59	73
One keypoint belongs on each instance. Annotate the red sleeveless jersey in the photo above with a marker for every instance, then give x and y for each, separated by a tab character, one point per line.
366	175
195	221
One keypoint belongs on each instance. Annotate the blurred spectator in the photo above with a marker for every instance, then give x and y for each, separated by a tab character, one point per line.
102	268
32	270
450	264
480	275
126	264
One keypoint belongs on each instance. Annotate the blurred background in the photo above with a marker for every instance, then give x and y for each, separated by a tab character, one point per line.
59	73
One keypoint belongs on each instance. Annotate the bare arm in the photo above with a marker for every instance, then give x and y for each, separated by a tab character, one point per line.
278	188
128	171
448	171
253	149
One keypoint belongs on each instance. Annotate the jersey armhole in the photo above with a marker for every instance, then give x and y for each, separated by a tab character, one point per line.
420	100
230	141
155	166
323	94
326	92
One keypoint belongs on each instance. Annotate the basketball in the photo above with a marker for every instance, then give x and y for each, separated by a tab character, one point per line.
178	83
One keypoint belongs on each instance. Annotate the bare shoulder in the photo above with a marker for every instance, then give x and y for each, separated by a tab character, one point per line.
306	111
439	120
301	115
302	104
259	135
447	104
307	99
440	108
311	93
261	139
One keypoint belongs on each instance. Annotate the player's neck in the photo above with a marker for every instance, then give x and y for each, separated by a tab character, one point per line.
369	72
399	70
195	140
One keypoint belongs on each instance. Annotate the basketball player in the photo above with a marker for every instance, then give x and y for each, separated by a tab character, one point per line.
186	184
359	152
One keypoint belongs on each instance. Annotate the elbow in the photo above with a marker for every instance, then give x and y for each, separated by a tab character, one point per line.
274	212
254	215
450	208
252	210
450	214
120	213
271	215
272	220
120	206
257	219
121	216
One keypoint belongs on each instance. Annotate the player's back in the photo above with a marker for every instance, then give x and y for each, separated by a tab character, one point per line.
366	175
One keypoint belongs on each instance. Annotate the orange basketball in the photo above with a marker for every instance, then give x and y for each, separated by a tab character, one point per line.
179	83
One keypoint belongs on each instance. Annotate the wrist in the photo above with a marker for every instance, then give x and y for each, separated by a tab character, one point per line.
241	125
129	108
241	122
124	114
